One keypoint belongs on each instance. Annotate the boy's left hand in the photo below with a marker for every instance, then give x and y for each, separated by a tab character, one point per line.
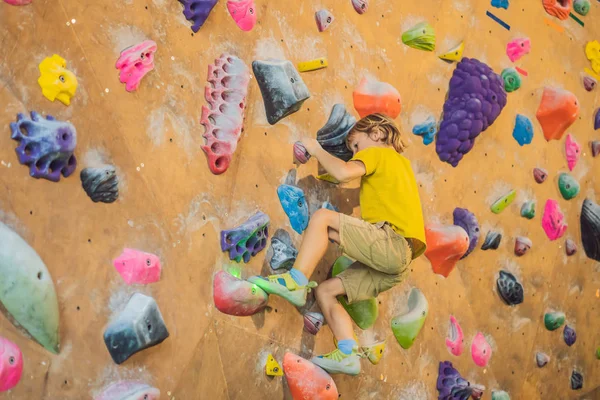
311	145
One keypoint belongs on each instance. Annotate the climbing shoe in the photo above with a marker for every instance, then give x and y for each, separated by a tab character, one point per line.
337	362
284	285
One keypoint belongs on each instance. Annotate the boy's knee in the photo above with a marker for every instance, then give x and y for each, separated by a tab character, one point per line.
325	291
323	216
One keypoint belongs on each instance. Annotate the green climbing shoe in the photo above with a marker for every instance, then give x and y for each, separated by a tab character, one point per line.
337	362
285	286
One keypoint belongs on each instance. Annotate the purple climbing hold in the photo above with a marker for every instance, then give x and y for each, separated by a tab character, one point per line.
597	119
475	99
45	145
197	11
569	335
248	239
452	386
467	220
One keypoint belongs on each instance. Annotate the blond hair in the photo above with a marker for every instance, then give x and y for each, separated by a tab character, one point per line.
389	132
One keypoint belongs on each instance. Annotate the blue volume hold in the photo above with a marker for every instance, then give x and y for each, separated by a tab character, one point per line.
523	132
294	204
500	4
427	130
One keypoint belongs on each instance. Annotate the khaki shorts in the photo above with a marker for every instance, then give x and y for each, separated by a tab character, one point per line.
382	258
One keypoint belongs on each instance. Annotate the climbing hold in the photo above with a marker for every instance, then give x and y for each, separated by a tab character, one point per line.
540	175
517	48
589	83
557	112
553	220
598	353
541	359
138	267
492	241
282	88
420	37
500	4
294	205
568	186
45	145
558	8
332	136
101	184
328	206
576	380
312	65
324	18
27	291
407	326
454	54
523	132
11	364
364	313
197	11
522	245
464	120
427	130
372	96
592	52
284	253
445	246
452	386
248	239
554	320
569	335
243	13
138	327
56	81
512	79
306	380
597	119
135	62
361	6
481	351
237	297
313	321
509	288
570	247
581	7
18	2
129	390
500	395
374	352
572	151
467	220
328	178
590	229
595	145
528	210
503	202
455	338
223	119
272	367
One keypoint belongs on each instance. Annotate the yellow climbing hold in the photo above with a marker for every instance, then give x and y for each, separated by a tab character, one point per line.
374	352
272	367
592	52
328	178
455	54
312	65
56	81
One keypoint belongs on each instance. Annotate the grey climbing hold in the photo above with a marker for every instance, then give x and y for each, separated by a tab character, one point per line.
101	184
590	229
284	253
509	288
576	380
492	241
541	359
332	136
595	145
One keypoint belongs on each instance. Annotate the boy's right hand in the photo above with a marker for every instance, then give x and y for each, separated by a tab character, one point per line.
312	146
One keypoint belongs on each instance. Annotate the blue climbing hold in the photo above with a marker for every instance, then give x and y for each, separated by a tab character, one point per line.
523	132
294	204
500	4
427	130
329	206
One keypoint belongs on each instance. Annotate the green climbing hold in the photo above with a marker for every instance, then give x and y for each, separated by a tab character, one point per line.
582	7
364	313
407	326
554	320
598	353
568	186
512	79
420	36
500	395
528	210
503	202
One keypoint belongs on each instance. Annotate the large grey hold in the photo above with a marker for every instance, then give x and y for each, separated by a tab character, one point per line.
282	88
284	253
590	229
332	136
139	326
101	184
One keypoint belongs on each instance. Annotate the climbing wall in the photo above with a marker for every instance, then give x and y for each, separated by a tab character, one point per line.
171	205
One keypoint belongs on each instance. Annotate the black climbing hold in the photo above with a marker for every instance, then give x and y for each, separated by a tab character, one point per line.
332	136
509	288
284	253
492	241
576	380
590	229
282	88
101	184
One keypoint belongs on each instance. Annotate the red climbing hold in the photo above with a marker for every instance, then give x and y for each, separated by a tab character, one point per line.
557	112
445	246
372	97
237	297
306	380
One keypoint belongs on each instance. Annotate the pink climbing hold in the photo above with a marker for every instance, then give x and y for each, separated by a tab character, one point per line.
481	351
300	153
324	18
234	296
11	364
573	151
135	62
517	48
18	2
243	13
445	246
360	6
135	266
455	339
129	390
553	220
223	120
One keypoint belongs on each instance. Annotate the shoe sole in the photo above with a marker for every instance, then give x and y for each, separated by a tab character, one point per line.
295	297
351	370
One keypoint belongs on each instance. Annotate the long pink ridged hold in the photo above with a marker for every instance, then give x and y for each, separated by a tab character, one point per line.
553	220
224	118
135	62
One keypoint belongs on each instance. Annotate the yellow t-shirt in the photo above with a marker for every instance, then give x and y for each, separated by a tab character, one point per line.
388	192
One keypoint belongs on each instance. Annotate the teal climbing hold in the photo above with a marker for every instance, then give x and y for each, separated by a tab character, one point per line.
500	395
512	79
554	320
503	202
523	132
407	326
568	186
528	210
427	130
582	7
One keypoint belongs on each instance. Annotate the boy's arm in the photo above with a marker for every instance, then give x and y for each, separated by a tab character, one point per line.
339	169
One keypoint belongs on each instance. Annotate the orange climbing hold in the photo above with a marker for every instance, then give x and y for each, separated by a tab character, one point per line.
558	110
372	97
445	246
558	8
306	380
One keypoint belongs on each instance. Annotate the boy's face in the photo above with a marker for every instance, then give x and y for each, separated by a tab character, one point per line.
360	141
